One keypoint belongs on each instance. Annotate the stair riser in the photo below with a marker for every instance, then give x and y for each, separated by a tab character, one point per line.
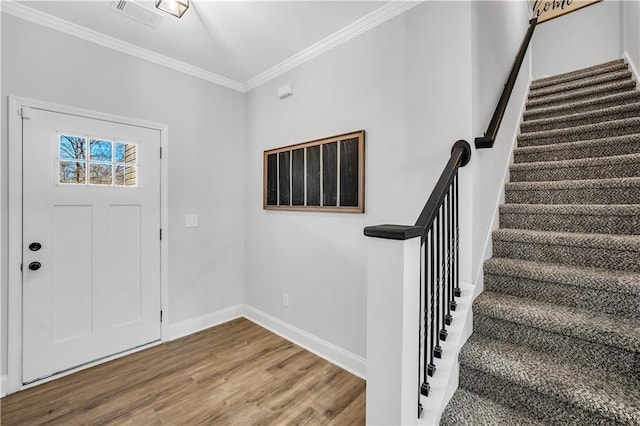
565	349
603	171
579	121
584	83
579	135
601	257
608	302
626	225
605	102
552	81
527	400
624	195
579	95
604	149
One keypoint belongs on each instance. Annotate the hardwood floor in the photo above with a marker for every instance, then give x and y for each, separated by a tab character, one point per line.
235	374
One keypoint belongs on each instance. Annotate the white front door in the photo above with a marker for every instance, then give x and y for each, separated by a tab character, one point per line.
91	243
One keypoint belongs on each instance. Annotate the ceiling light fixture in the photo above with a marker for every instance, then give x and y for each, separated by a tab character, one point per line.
176	8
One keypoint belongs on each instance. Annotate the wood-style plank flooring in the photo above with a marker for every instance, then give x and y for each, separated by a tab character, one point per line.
237	373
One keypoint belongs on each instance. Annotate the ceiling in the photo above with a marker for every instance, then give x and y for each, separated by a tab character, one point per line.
242	43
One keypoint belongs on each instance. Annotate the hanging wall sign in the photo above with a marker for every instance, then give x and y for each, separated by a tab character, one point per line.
545	10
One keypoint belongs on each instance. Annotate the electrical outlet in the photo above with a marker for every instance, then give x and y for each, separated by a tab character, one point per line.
285	300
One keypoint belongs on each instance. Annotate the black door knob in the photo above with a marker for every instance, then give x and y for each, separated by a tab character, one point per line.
35	246
34	266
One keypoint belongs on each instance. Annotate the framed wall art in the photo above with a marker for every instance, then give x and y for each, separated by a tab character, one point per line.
321	175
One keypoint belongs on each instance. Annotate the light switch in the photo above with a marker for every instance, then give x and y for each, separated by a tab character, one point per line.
191	221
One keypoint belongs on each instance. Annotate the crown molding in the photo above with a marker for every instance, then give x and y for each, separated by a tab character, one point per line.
24	12
367	22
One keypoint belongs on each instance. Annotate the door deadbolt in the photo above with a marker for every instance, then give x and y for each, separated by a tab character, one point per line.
34	266
35	246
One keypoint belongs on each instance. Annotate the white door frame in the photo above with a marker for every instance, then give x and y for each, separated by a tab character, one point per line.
14	338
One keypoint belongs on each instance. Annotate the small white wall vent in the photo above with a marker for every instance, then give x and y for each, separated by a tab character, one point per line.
136	12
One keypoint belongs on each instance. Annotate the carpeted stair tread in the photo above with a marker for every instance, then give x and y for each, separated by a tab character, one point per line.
582	118
620	127
584	324
588	191
604	290
602	279
470	409
617	99
604	219
579	84
619	145
580	74
619	166
576	74
592	92
588	396
620	252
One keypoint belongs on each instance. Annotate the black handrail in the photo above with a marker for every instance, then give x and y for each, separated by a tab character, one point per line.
460	156
490	135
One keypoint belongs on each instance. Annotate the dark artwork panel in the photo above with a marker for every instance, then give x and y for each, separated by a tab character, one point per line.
349	172
297	177
313	175
272	180
284	178
330	174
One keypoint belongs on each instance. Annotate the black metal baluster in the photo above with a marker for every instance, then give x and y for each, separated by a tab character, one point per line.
437	351
431	368
450	301
424	386
424	298
457	290
442	333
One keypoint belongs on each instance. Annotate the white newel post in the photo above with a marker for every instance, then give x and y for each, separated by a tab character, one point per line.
393	305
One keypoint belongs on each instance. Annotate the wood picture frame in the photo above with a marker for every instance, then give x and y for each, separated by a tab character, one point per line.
320	175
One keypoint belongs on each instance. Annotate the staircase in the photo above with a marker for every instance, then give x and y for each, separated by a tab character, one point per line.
556	335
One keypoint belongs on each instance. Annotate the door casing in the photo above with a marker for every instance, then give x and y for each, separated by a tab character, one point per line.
14	302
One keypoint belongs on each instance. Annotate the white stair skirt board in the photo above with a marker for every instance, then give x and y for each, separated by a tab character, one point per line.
634	68
193	325
445	382
351	362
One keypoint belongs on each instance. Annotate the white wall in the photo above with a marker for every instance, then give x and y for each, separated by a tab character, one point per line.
579	39
205	159
631	32
407	82
497	32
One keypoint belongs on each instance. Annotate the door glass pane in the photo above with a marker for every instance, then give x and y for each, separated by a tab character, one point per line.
100	174
100	151
72	172
126	175
125	153
72	147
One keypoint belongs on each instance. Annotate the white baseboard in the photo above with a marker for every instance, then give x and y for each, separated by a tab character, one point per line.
193	325
3	386
632	66
351	362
